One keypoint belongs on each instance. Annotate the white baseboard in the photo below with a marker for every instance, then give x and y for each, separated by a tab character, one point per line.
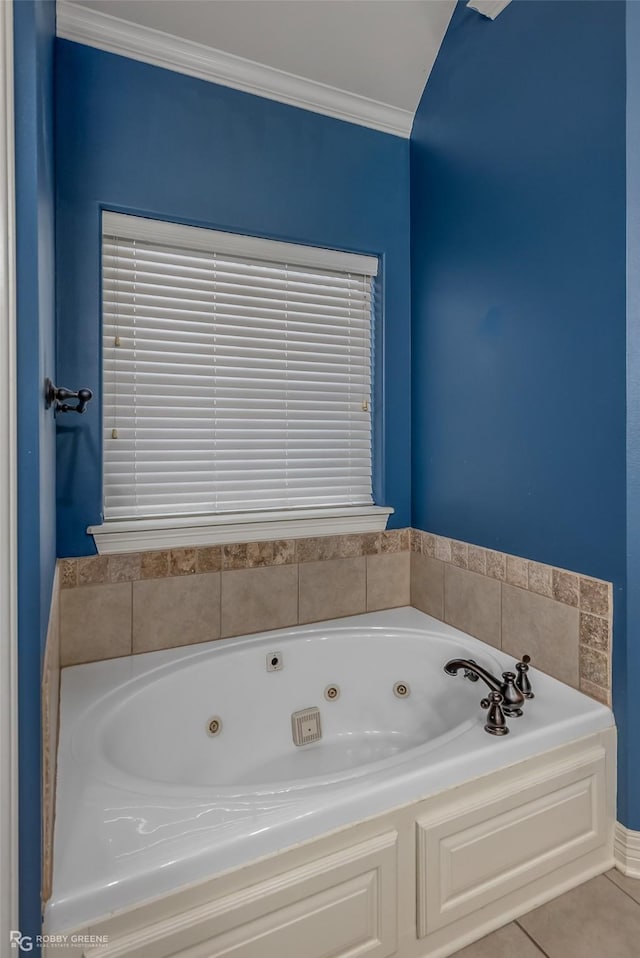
627	851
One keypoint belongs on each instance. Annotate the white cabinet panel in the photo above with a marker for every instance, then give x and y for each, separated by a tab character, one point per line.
340	905
469	858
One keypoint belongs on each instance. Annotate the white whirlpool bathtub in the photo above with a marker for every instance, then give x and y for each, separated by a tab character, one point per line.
150	802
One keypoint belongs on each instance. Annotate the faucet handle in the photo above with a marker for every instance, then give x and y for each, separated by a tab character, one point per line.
513	697
522	681
496	723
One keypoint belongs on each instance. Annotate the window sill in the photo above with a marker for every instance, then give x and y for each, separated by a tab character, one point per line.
140	535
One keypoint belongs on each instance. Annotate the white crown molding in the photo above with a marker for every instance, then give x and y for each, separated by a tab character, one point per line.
127	39
489	8
626	850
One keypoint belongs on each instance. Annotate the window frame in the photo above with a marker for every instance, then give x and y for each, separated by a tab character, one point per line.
139	534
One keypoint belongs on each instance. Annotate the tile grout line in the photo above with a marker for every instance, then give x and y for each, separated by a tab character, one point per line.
366	583
531	938
623	890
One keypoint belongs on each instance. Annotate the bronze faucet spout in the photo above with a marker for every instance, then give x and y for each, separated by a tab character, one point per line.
454	666
512	696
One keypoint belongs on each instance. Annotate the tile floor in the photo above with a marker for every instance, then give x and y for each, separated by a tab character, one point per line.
600	919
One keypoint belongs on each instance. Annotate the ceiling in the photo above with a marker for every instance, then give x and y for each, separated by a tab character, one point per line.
379	49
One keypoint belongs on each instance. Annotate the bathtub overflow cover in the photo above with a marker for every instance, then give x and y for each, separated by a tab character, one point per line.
331	693
401	689
214	726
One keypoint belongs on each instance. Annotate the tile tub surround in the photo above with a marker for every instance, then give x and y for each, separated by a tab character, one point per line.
562	619
124	604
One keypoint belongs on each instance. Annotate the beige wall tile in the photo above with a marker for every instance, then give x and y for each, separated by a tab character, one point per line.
517	572
594	632
154	565
416	540
209	559
95	623
255	600
259	554
124	568
388	581
459	554
315	548
346	547
308	550
181	610
540	579
68	571
478	560
427	585
393	540
496	564
443	548
429	545
369	542
330	547
594	596
284	551
234	556
93	569
542	628
472	603
182	561
594	667
331	589
565	586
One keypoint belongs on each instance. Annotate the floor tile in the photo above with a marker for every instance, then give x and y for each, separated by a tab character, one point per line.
595	920
503	943
630	885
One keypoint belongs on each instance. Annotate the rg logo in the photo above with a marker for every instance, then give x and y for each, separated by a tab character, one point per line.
18	940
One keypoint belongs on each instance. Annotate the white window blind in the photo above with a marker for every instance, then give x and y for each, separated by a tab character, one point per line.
237	373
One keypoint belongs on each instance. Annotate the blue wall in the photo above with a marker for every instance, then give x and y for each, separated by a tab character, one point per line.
518	266
34	37
137	138
628	655
518	291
